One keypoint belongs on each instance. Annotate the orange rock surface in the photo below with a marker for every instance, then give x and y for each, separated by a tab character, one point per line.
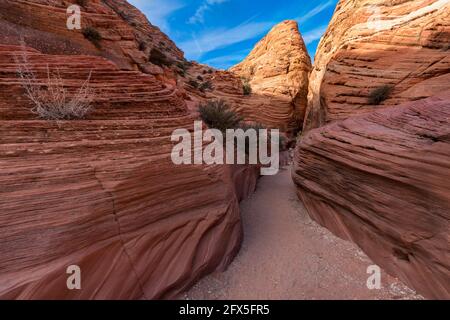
368	44
127	36
103	194
378	174
277	70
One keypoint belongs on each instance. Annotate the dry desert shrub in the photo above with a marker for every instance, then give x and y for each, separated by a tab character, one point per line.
81	3
50	98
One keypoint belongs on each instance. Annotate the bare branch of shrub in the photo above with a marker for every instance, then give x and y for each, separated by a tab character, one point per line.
50	98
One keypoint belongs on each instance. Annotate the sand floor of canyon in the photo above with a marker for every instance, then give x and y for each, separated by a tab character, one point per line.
286	255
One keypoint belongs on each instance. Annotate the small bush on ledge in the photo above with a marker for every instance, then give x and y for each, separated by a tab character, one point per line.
52	101
217	114
380	94
91	34
158	58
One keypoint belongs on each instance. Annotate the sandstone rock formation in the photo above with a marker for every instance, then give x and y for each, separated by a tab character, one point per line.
277	70
368	44
102	193
382	181
378	174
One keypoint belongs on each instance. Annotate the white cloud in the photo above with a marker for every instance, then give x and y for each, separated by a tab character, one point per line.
220	38
314	34
199	16
315	11
158	11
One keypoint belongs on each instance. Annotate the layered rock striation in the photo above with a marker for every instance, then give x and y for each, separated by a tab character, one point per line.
369	44
277	70
382	181
103	194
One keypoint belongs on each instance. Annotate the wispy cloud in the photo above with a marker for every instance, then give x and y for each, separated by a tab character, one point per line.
158	11
211	40
199	16
315	11
314	34
220	42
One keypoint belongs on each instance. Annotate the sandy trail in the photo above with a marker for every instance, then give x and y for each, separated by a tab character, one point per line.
285	255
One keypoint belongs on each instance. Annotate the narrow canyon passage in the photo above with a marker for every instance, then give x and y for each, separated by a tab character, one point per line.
286	255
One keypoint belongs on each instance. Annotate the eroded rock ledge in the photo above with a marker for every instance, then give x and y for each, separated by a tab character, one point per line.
378	174
382	181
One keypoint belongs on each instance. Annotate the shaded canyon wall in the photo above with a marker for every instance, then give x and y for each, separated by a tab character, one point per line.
379	174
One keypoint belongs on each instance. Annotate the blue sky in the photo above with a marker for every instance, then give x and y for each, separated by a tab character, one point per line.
222	33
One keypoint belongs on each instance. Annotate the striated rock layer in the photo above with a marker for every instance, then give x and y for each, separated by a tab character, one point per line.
382	181
373	43
127	36
103	193
277	70
378	174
